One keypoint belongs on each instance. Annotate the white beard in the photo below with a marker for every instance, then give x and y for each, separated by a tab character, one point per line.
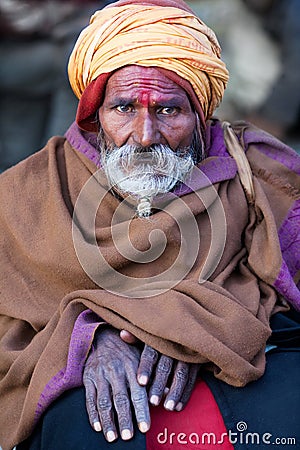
145	173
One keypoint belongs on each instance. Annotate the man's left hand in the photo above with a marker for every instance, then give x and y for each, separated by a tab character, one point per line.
161	370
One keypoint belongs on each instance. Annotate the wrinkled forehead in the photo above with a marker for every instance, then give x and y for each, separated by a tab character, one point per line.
142	83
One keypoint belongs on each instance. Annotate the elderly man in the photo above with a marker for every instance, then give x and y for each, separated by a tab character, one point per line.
148	245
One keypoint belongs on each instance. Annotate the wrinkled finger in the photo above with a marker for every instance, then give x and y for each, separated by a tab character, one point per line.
148	359
91	403
162	373
193	372
140	403
180	379
105	410
123	410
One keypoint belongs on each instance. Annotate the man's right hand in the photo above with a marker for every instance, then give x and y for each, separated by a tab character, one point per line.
110	372
169	378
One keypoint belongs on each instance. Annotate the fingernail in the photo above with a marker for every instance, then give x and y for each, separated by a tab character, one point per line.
170	405
111	436
179	406
143	380
154	400
143	426
97	426
166	391
126	434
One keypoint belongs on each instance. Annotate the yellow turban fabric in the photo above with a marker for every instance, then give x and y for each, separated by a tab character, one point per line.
150	35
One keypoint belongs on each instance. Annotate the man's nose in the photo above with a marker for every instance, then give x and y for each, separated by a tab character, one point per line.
146	132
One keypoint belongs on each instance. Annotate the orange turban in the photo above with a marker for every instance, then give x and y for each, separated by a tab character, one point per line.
146	33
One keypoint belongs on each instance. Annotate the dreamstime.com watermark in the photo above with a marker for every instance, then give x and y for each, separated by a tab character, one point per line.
240	436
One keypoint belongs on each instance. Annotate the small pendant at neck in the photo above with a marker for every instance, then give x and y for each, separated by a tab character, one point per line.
144	207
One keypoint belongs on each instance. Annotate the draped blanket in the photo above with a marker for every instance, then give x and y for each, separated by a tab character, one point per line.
214	308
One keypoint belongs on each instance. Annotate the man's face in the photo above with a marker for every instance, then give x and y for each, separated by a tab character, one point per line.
147	132
143	107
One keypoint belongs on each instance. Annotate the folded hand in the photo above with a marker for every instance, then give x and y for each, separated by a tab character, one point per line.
115	378
110	382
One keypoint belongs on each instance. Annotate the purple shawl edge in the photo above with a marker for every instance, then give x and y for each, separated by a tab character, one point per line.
273	148
289	238
71	376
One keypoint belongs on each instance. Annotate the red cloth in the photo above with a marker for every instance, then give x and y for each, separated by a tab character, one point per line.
198	426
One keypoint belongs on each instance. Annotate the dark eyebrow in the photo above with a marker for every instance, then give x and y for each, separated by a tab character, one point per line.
123	101
173	103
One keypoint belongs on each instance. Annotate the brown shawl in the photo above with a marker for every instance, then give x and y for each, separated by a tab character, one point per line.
222	323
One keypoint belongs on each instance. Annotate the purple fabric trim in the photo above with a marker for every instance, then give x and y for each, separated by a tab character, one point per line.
289	237
286	286
210	171
274	149
85	143
71	376
268	145
214	140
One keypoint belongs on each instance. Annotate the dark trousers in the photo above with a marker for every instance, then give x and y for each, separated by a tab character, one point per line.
65	426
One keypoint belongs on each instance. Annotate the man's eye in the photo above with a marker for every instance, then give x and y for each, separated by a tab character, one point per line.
124	108
168	110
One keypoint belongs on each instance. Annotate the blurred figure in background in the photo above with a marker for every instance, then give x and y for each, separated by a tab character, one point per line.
280	113
252	57
36	100
261	46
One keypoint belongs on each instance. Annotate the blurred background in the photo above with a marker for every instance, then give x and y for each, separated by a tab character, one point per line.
260	42
261	47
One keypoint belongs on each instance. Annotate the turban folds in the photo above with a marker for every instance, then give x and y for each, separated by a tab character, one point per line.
150	35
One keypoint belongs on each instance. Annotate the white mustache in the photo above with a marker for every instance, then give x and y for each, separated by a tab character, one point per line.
146	172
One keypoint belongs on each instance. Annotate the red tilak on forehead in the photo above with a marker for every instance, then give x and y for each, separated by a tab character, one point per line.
144	97
148	97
